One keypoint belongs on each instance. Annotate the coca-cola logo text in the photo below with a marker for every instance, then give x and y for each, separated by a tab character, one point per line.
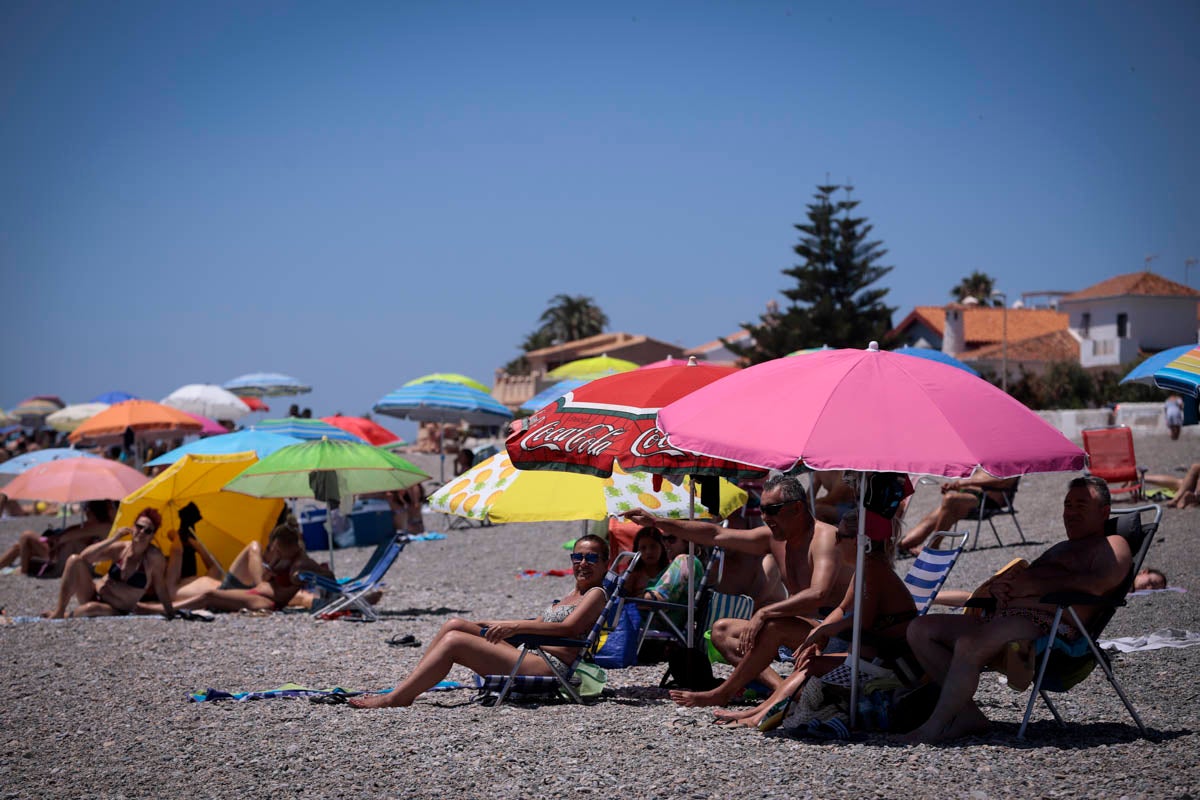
653	442
592	440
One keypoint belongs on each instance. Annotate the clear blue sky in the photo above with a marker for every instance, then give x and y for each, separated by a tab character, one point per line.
359	194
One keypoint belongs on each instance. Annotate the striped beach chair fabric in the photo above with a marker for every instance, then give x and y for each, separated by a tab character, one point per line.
513	684
929	570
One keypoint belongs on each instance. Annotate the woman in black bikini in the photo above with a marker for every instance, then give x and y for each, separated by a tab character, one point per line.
887	610
486	652
136	566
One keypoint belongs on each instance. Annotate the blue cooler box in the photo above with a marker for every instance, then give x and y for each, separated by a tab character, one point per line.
371	521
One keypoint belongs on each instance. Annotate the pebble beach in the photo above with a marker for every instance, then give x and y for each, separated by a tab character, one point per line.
98	707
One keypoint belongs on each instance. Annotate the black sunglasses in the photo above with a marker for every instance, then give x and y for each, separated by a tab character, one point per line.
591	558
771	509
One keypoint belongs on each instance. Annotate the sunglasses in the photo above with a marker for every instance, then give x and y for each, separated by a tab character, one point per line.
144	528
591	558
771	509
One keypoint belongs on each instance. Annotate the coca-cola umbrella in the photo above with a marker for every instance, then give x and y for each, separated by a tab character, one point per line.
613	419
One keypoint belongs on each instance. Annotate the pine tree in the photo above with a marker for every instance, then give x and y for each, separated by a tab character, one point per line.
832	303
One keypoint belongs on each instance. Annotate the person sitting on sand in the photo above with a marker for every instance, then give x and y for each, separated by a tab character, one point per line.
45	554
1185	487
959	499
257	580
482	646
136	566
887	610
806	552
955	649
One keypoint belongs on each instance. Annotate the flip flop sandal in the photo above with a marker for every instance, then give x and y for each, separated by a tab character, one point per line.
407	640
329	699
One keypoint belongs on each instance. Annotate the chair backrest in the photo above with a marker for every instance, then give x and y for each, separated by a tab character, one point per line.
381	551
1129	524
386	558
1110	453
614	580
930	568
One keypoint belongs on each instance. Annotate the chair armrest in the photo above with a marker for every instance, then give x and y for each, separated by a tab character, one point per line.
533	640
662	604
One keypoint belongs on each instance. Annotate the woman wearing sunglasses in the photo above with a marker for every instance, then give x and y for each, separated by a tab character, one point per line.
136	566
481	646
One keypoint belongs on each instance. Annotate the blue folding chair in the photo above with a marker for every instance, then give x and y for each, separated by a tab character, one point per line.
351	593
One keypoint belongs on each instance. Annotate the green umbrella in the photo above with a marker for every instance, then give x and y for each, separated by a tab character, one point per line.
326	470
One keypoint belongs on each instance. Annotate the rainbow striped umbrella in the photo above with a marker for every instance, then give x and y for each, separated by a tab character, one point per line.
1181	375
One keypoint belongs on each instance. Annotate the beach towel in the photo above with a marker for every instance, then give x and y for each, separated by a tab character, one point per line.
1168	637
525	574
1144	592
294	690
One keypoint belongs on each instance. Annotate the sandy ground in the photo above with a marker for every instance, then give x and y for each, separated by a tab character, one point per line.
98	708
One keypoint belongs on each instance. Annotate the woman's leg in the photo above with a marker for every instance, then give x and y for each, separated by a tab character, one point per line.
95	608
76	582
228	600
453	647
754	664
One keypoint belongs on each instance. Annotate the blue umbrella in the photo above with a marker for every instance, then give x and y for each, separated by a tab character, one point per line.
1144	372
15	466
112	398
269	384
935	355
308	429
261	442
437	401
547	396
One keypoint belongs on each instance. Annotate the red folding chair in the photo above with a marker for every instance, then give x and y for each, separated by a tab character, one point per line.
1110	456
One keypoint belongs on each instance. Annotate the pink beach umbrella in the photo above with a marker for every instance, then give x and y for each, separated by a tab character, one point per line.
208	427
867	411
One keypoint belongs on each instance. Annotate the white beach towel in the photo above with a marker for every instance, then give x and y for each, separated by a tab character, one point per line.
1168	637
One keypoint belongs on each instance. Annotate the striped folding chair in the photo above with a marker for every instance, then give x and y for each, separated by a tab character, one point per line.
513	684
929	570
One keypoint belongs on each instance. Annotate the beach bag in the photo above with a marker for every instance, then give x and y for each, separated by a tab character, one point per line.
591	679
619	645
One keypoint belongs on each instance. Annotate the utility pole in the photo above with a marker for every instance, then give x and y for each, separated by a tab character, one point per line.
1148	259
1003	342
1187	268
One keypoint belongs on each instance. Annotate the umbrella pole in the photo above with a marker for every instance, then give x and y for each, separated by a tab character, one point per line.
691	615
441	454
856	623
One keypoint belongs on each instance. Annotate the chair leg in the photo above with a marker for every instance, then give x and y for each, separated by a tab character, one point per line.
996	533
1108	673
562	679
1041	676
511	677
1053	708
1017	522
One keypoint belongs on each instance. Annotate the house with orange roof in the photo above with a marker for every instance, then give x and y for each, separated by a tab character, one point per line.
715	352
1122	318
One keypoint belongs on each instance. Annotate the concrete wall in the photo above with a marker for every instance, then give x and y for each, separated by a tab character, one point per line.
1143	418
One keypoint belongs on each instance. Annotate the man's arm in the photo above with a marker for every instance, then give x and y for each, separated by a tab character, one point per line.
756	541
1097	571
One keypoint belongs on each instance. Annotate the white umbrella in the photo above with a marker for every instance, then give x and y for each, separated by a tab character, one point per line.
69	418
207	400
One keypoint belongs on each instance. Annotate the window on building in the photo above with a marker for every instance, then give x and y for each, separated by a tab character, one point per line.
1122	326
1085	324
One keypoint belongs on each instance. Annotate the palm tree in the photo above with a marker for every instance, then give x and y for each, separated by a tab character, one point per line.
572	317
978	285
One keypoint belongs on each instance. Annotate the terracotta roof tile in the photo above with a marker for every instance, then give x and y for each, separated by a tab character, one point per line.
983	325
1060	345
1145	283
701	349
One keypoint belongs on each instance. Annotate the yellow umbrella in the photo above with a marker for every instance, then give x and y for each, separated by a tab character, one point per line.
229	520
591	368
450	377
496	491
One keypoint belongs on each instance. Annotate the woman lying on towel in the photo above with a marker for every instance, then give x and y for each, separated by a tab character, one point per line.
887	609
481	646
136	566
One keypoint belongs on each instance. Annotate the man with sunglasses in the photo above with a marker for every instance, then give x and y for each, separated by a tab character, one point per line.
805	550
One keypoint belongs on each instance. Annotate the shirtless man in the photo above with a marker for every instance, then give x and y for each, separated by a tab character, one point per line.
807	555
959	499
838	498
954	649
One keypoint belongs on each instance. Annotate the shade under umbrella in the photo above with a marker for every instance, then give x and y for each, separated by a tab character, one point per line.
75	480
266	384
207	400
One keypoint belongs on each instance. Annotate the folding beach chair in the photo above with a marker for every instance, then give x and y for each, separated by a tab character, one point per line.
667	629
351	593
930	568
505	686
1110	456
989	509
1063	664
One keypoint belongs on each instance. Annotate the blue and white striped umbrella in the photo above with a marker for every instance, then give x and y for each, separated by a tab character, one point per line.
547	396
436	401
261	442
266	384
308	429
1144	372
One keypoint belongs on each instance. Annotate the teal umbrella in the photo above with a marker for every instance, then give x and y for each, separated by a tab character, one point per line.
325	470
